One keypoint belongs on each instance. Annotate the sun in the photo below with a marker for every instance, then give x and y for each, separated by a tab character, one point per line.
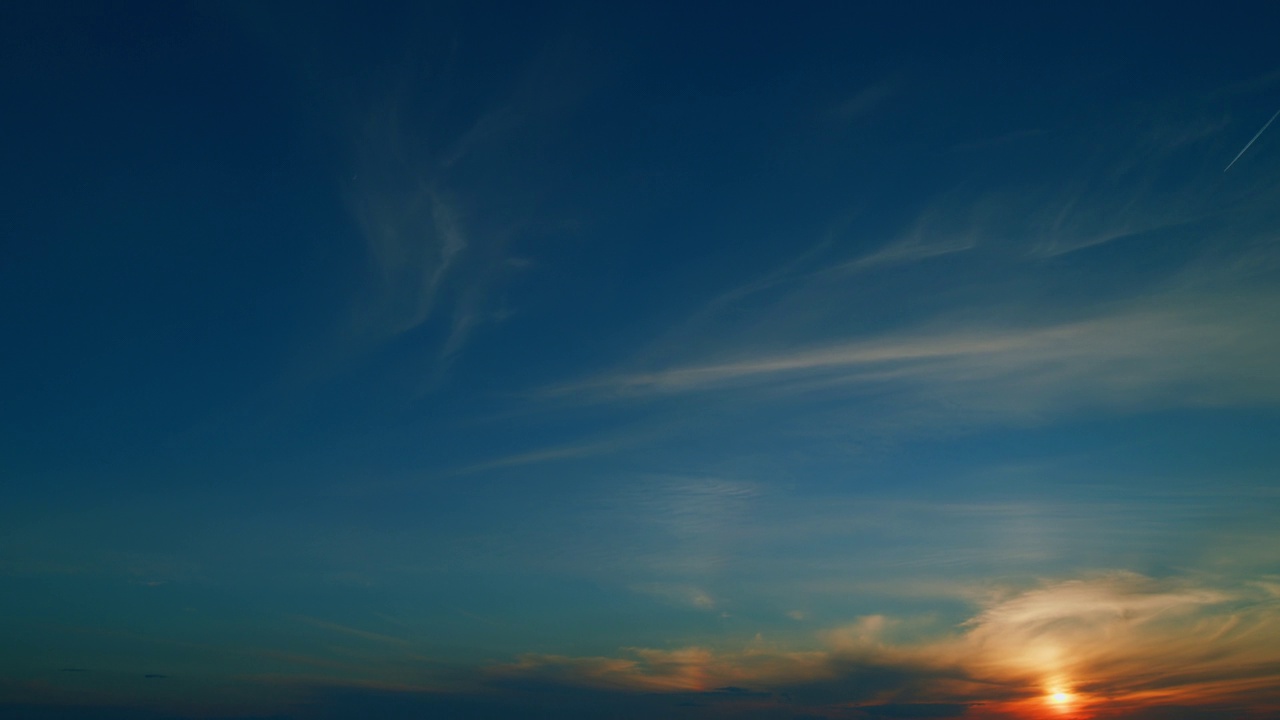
1061	700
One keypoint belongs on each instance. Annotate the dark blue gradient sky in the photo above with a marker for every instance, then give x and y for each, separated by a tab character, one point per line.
840	360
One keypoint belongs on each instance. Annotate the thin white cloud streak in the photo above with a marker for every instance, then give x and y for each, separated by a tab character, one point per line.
1126	192
1251	141
908	251
944	229
1118	187
545	455
351	631
994	240
867	100
1121	202
1213	352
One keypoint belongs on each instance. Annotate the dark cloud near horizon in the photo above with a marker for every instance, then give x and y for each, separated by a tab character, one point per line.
23	711
538	698
863	680
535	699
915	710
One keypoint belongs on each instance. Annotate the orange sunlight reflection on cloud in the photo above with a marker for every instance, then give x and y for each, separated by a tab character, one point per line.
1101	647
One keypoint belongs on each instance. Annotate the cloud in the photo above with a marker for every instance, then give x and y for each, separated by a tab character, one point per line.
688	595
1183	352
437	202
867	100
906	251
544	455
1122	282
1118	185
916	710
690	669
1116	645
414	231
350	631
533	699
1123	640
1110	643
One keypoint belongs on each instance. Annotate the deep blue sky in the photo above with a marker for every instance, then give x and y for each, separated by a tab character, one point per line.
494	359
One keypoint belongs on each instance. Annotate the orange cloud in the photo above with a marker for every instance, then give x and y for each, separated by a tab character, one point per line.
1111	645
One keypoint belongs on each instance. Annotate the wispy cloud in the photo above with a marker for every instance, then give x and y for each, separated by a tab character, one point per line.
904	251
436	221
415	233
687	595
351	631
866	100
545	455
1173	351
987	303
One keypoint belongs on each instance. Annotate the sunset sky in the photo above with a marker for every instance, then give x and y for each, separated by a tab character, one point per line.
779	361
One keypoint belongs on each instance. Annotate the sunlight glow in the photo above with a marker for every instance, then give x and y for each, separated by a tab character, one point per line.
1061	699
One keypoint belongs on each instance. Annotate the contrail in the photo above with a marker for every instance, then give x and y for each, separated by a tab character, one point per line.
1255	137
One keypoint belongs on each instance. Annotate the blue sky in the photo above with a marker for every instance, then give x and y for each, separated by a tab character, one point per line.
605	360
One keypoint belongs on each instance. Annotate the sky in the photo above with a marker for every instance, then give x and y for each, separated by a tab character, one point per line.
814	360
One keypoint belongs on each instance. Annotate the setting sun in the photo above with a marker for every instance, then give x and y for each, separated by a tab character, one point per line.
1061	699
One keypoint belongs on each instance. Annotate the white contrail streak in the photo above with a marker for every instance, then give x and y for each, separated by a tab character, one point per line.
1255	137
